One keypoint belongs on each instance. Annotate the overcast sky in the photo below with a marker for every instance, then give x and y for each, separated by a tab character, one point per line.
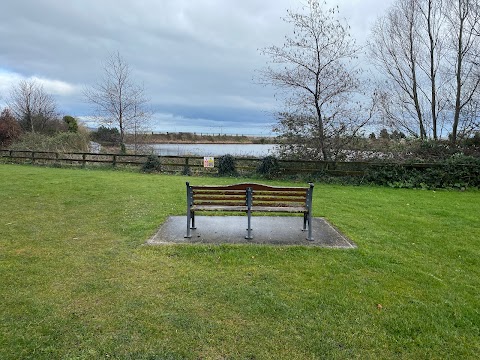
196	58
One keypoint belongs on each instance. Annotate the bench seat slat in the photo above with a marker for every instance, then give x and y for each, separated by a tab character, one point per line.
301	191
278	204
279	199
257	187
219	198
290	209
219	203
219	192
218	208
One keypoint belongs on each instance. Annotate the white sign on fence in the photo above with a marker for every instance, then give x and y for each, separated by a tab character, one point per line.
208	161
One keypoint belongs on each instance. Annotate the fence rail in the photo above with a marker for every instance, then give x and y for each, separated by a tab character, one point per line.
193	164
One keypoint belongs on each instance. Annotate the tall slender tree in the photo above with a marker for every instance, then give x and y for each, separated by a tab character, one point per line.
117	98
428	50
432	23
395	51
464	19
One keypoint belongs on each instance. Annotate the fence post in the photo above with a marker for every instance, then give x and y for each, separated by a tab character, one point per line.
33	157
114	160
56	158
84	162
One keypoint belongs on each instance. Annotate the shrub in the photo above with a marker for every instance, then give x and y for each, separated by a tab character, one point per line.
71	122
106	136
186	170
385	174
269	167
430	150
152	164
458	171
52	127
462	171
474	140
10	129
226	166
123	149
60	142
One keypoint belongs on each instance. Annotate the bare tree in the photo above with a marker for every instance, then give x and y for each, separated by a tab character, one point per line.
314	75
118	100
138	127
32	106
428	50
432	24
395	51
464	19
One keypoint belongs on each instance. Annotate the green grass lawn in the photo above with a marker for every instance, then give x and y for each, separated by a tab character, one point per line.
77	281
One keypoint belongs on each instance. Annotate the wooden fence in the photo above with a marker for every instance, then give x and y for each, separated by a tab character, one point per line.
190	164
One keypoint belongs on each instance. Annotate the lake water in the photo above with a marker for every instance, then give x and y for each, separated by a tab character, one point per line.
246	150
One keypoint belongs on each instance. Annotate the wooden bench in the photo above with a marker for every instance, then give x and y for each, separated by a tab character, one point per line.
248	198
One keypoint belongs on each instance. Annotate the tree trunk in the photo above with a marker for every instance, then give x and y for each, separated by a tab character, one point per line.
456	116
414	80
321	133
432	71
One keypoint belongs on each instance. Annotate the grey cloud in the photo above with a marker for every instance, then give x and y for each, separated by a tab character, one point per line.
188	52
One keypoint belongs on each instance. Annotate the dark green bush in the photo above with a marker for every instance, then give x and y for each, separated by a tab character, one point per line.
269	167
186	170
123	149
152	164
71	122
106	136
458	171
473	141
462	171
387	174
226	166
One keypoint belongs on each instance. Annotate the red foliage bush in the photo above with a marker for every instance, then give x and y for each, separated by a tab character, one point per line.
10	130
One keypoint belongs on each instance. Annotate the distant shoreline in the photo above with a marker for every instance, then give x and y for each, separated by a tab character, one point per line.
194	138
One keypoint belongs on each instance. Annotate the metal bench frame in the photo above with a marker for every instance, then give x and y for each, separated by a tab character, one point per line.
248	198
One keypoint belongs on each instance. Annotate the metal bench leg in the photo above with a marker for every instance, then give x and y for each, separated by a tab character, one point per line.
189	211
309	238
193	221
249	230
189	217
308	215
304	222
249	214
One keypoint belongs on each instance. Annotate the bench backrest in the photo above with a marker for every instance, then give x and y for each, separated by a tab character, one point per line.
261	195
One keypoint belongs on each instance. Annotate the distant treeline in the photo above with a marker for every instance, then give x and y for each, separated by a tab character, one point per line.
195	137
